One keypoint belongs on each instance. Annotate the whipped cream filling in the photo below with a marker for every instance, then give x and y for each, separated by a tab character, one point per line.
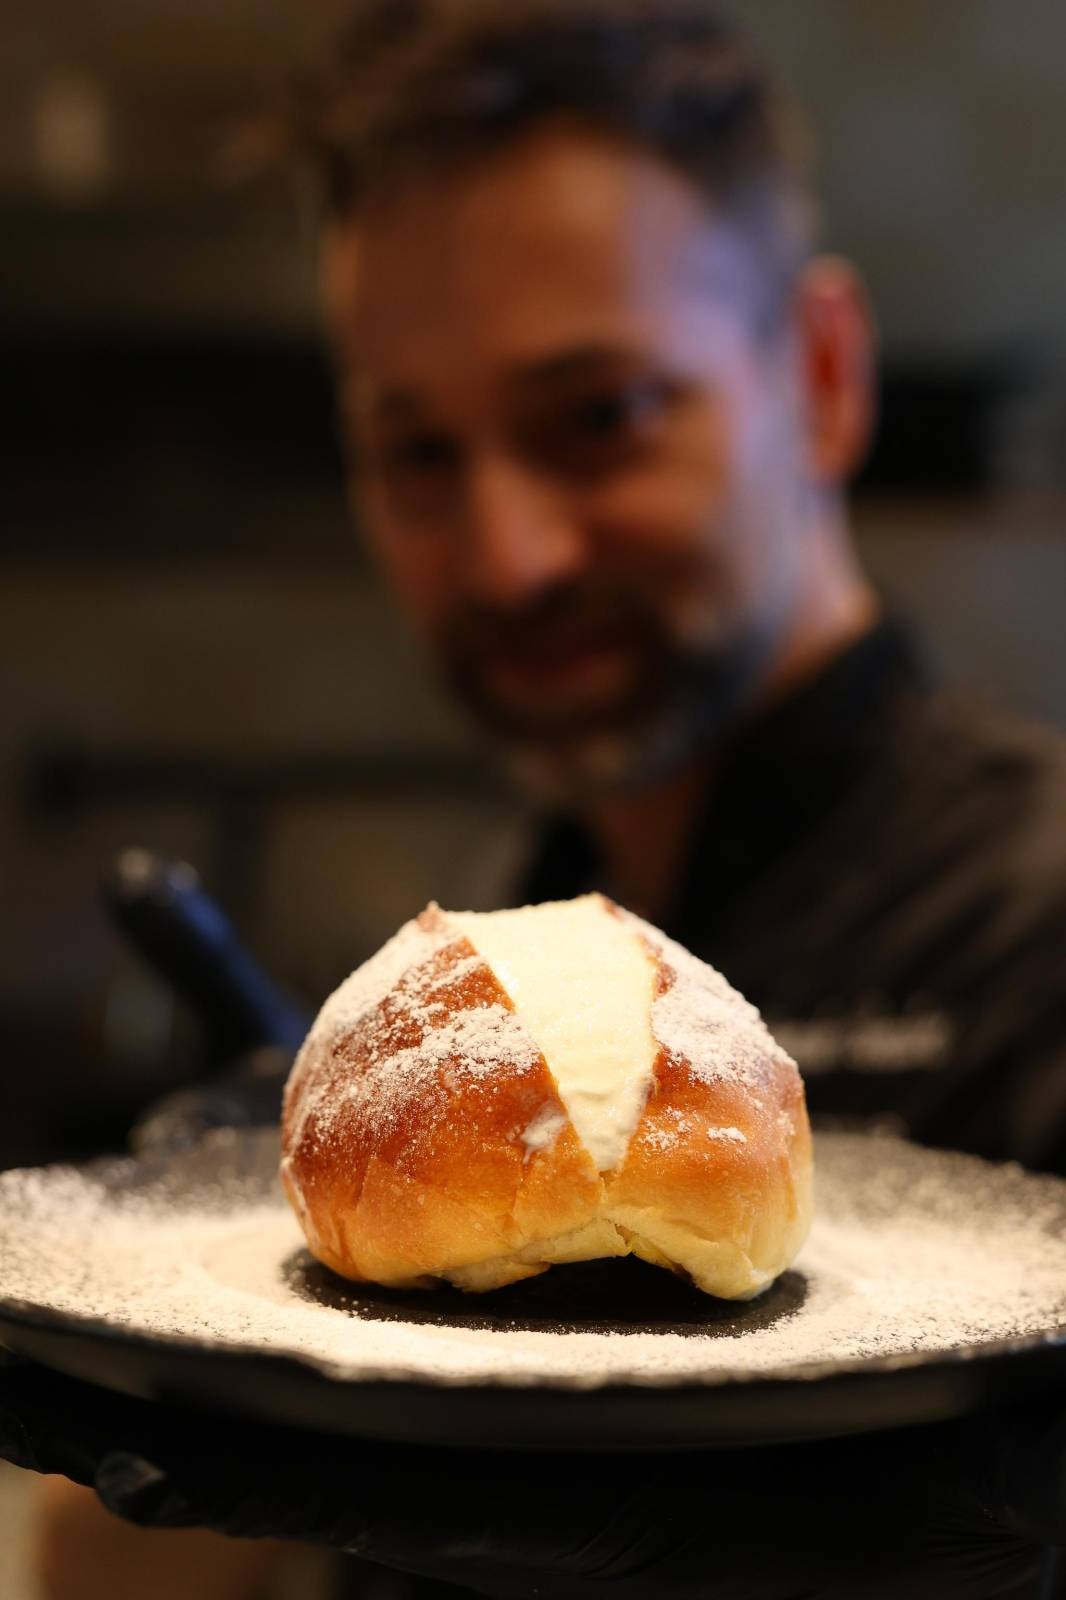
582	985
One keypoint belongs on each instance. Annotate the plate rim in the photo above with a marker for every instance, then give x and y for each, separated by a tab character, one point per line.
23	1313
718	1408
246	1143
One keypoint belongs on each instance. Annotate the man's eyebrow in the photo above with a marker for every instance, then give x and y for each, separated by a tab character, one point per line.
384	405
402	405
582	361
396	405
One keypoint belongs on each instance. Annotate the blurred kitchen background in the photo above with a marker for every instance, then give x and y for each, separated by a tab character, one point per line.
193	656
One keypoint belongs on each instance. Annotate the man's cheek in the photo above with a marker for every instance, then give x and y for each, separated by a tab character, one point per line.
417	575
661	532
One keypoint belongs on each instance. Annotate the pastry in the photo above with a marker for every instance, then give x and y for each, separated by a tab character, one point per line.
493	1093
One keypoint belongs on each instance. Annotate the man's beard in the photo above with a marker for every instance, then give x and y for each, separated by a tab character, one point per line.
689	686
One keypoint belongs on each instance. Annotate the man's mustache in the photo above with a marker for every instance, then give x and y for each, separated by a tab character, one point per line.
557	618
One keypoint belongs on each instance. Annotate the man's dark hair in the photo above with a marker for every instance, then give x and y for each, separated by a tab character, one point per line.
413	87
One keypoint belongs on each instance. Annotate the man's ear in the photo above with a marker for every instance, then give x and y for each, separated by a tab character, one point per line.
837	343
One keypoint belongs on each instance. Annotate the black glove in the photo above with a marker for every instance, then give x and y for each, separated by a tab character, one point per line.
954	1511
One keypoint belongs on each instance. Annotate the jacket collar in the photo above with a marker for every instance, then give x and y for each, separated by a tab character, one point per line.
780	773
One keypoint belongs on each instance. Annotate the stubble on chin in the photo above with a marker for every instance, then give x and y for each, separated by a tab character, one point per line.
688	703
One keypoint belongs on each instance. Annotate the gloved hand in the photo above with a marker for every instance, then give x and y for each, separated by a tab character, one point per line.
954	1511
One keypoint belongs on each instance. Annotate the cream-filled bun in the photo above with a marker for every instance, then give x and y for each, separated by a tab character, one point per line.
493	1093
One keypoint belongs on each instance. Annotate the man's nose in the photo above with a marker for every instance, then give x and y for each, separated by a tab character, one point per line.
520	539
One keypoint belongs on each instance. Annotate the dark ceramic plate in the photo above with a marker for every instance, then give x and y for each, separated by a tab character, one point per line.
707	1393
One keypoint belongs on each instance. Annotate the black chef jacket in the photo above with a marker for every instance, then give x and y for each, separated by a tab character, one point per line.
881	868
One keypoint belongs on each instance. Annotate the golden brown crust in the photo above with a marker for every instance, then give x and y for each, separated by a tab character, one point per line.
723	1158
446	1182
405	1163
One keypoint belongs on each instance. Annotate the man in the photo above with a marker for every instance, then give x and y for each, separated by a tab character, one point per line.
601	401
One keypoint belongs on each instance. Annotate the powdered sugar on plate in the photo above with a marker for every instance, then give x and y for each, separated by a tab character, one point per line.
912	1252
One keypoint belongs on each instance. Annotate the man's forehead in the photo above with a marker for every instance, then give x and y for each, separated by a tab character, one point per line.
549	252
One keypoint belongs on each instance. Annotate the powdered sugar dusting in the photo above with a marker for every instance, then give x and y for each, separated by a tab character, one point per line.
911	1251
354	1001
674	1127
413	1023
368	985
469	1045
701	1019
671	1127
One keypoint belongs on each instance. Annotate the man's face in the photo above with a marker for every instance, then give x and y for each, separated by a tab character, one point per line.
576	462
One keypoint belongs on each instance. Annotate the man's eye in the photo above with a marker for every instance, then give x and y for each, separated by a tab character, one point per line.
603	431
419	472
619	413
420	455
